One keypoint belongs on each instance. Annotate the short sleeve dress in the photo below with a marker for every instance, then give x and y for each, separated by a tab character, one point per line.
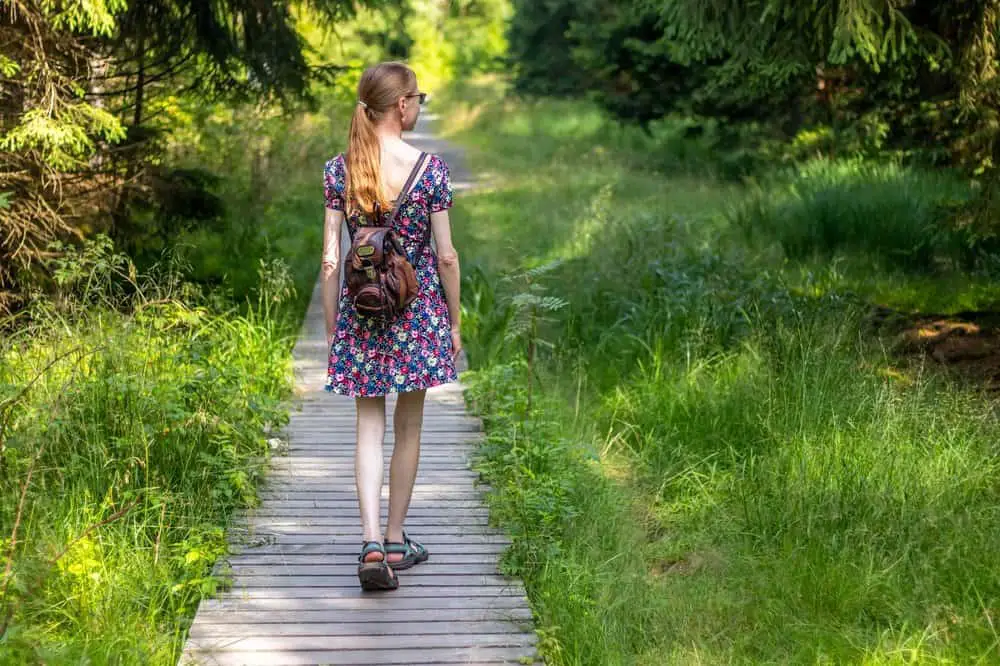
414	351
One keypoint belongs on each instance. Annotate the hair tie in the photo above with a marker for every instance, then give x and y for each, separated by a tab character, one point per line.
363	105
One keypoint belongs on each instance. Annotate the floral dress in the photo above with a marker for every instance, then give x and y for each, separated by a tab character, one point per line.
413	351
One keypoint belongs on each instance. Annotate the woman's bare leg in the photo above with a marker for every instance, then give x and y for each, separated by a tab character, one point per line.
407	420
368	466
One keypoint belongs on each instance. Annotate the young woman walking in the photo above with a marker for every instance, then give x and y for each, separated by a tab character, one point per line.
413	352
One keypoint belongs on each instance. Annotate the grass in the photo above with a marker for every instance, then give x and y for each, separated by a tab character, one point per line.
885	211
720	464
136	405
128	441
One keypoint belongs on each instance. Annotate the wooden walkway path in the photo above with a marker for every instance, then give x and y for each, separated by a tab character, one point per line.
295	597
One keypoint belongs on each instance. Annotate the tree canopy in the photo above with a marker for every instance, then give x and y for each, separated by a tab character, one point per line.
82	92
911	76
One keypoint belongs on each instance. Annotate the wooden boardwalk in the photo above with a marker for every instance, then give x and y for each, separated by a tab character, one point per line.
295	598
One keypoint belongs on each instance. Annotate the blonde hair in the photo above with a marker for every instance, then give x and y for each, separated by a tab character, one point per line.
380	88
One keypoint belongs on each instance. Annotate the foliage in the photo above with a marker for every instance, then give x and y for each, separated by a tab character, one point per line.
927	74
89	94
823	207
719	467
124	453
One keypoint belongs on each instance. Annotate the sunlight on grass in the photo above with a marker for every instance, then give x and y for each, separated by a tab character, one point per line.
719	466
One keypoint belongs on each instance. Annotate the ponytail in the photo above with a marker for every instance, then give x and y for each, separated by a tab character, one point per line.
364	165
379	89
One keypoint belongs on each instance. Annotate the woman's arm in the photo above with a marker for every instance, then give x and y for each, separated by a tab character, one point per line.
451	275
330	275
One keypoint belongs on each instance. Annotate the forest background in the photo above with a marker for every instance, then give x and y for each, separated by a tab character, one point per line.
782	424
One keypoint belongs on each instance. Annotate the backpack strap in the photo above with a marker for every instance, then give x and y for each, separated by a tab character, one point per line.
417	168
406	187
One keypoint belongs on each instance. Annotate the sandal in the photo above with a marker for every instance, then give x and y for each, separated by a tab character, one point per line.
412	551
375	575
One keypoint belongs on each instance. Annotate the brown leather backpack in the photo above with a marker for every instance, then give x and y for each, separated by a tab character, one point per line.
380	278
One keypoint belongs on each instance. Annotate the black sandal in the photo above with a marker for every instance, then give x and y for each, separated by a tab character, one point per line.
412	551
375	575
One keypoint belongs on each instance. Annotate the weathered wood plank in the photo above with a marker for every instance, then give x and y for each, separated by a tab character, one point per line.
415	516
423	627
308	488
237	615
346	607
351	519
429	536
351	547
436	540
469	656
294	559
404	592
364	642
431	568
435	580
333	501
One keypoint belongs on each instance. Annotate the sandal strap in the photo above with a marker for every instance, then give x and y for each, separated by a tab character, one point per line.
415	545
371	547
406	546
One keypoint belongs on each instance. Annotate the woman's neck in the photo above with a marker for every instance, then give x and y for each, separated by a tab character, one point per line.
389	132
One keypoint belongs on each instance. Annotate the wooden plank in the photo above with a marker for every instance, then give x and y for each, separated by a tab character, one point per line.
429	536
350	519
346	452
318	487
404	592
375	603
424	627
424	476
352	546
436	580
364	642
383	616
469	656
442	558
260	533
415	516
344	469
329	457
416	506
349	568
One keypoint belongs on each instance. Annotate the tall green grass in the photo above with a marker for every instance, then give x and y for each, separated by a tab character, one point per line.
894	214
720	464
134	414
138	406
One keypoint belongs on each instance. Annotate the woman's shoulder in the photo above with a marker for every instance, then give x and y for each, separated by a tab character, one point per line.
335	162
436	166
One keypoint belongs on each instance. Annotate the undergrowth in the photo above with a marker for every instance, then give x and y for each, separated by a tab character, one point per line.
133	420
720	463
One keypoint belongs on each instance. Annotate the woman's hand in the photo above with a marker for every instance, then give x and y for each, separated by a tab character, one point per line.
456	344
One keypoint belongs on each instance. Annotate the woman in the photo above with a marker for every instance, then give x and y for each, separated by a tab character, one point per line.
418	349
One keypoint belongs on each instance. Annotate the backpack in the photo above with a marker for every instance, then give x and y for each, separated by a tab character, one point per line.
380	279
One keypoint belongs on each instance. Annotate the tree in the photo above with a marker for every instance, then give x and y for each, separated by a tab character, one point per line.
80	131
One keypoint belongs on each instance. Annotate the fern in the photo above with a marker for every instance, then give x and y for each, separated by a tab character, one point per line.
532	306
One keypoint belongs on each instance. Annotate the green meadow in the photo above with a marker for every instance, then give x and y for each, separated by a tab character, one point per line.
720	459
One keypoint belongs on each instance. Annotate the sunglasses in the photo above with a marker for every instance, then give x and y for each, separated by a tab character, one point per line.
422	96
